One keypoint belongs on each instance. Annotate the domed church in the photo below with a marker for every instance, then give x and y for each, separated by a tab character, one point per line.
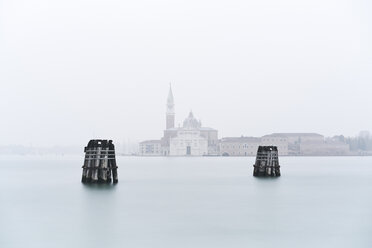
189	140
192	139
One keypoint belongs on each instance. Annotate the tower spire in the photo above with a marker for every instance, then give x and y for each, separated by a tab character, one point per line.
170	101
170	113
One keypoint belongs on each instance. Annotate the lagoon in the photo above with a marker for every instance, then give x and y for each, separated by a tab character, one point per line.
170	202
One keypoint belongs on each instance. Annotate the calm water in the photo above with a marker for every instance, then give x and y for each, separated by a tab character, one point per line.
187	202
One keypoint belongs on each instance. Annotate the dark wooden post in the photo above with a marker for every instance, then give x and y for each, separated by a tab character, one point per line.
86	162
267	162
99	162
113	162
102	176
92	156
97	159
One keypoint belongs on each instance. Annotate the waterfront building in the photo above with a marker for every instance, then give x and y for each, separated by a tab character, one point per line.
280	141
190	139
298	144
299	137
239	146
247	146
293	141
150	148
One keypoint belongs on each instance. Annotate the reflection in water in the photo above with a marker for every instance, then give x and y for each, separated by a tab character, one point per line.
188	202
99	214
98	187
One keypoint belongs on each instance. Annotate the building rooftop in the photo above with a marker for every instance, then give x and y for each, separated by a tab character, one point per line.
294	134
207	129
151	142
240	139
199	128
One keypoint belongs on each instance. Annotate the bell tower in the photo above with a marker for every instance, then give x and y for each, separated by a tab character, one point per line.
170	113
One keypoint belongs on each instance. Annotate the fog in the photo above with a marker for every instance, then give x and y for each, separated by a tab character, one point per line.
75	70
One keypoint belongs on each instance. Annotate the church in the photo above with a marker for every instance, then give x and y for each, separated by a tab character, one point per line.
192	139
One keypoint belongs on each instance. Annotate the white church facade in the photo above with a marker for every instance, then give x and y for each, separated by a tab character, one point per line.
189	140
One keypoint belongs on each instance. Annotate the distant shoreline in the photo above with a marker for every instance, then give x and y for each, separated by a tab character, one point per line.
152	156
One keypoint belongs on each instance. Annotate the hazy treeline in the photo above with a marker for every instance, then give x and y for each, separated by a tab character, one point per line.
361	142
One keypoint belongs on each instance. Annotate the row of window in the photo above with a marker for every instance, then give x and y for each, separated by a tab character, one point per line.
186	144
281	140
189	133
243	146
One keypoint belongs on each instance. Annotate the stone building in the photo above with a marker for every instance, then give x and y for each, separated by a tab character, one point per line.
298	137
150	148
188	142
294	140
247	146
239	146
281	142
190	139
287	144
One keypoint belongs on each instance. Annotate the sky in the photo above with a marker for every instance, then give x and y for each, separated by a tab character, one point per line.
74	70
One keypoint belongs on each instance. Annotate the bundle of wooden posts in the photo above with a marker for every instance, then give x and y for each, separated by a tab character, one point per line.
267	162
100	163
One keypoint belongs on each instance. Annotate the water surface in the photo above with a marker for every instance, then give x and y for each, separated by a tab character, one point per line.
187	202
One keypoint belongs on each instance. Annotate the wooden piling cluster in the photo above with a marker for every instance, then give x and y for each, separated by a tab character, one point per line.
267	162
100	162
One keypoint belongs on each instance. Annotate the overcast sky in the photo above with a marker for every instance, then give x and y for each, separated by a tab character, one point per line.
73	70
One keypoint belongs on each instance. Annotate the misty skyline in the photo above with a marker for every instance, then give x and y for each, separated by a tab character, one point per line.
73	71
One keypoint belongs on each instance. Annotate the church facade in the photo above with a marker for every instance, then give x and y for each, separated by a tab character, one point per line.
192	139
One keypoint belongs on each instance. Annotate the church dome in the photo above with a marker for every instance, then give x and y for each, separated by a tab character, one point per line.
191	122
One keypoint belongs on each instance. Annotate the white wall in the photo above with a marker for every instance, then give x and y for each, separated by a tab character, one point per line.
185	138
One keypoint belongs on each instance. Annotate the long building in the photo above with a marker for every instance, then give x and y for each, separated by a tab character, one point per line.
247	146
239	146
294	140
295	144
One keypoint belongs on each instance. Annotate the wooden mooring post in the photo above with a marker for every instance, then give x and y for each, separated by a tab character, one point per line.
100	162
267	162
